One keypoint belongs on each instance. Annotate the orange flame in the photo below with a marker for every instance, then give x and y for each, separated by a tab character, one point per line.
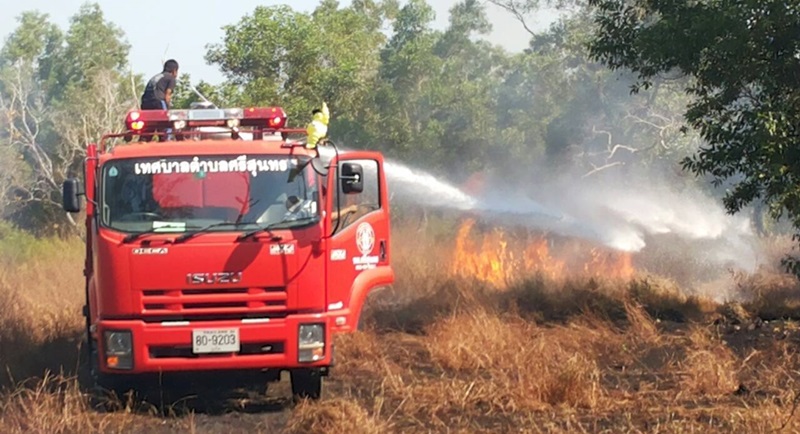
487	264
537	258
499	258
614	265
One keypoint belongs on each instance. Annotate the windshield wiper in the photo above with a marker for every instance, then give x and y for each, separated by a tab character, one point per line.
191	234
157	230
277	225
132	237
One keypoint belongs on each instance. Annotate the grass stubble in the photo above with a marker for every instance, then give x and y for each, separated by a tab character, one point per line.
447	354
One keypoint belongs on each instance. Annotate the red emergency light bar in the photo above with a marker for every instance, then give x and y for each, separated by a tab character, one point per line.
266	118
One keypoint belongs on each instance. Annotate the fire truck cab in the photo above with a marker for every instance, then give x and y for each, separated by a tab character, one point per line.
219	243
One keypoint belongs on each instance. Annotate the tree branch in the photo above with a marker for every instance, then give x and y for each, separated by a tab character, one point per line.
513	8
596	169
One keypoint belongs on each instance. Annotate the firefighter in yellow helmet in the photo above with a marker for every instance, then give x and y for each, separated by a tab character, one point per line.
318	128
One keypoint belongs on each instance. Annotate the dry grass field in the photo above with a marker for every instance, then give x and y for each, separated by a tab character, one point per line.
488	332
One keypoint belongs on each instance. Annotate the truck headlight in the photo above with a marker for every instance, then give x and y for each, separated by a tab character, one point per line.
311	342
119	349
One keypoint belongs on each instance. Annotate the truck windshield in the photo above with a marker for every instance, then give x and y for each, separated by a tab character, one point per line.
187	193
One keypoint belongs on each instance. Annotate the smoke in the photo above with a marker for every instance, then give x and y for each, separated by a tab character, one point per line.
665	221
628	210
619	214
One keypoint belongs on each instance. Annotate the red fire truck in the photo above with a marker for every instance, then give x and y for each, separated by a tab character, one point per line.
216	242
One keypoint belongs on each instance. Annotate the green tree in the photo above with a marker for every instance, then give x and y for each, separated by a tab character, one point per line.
269	55
278	56
560	104
437	92
34	40
92	90
742	59
223	95
29	174
407	64
464	92
92	44
57	93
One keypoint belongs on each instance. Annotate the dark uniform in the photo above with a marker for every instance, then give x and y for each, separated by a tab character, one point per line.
154	96
155	93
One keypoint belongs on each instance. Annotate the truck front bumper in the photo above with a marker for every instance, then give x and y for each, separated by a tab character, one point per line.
167	346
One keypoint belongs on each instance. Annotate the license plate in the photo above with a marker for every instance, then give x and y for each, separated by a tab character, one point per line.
215	341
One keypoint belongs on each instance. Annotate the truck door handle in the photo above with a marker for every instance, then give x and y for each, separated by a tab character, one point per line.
383	250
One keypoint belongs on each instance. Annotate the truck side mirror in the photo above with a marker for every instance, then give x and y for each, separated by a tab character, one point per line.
352	178
71	191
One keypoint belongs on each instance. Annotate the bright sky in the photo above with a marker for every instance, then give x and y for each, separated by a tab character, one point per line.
183	28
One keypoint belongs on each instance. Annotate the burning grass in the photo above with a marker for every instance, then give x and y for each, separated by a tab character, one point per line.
498	257
485	331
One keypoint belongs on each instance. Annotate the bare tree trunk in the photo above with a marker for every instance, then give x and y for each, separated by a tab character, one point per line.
33	169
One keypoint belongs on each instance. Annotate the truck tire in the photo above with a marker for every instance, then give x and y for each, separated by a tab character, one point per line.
88	380
99	387
306	383
85	371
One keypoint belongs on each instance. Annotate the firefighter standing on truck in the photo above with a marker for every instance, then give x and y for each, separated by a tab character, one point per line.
318	127
158	92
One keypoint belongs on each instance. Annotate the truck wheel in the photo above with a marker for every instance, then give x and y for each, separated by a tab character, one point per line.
306	383
99	387
85	369
88	380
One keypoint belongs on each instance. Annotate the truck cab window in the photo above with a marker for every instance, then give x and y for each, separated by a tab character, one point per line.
353	206
183	193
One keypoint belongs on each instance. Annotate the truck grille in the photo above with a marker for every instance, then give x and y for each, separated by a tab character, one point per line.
214	301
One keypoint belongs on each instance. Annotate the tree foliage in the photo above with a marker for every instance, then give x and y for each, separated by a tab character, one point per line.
297	60
447	99
742	59
58	91
443	99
